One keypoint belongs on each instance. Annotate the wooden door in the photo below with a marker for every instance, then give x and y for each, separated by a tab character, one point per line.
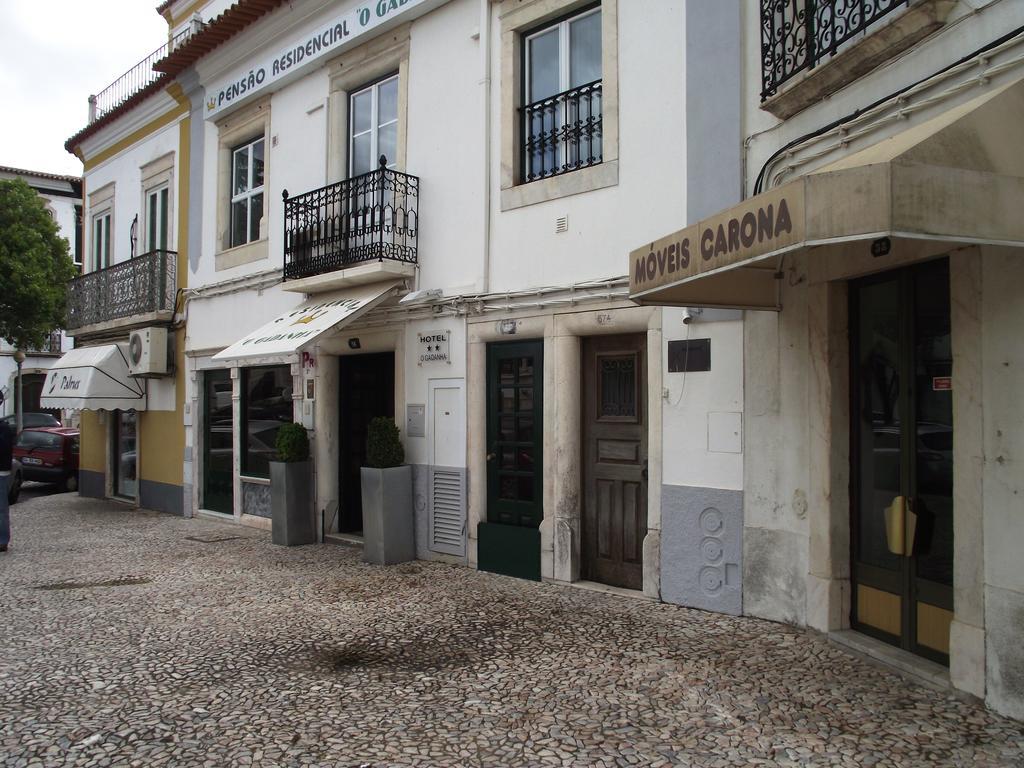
614	521
366	390
902	458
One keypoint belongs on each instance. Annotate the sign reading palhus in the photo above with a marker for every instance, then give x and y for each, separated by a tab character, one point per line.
760	225
324	40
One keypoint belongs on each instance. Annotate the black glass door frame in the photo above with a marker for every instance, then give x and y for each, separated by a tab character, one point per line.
218	442
898	450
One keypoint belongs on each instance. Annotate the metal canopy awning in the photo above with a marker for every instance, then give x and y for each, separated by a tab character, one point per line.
955	179
94	378
300	327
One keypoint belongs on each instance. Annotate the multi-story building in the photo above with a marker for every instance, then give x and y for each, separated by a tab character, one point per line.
125	375
877	252
63	200
420	209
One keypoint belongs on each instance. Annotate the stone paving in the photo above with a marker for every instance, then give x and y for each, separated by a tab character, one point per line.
131	638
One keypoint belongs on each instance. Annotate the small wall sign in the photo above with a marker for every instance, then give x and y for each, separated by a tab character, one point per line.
434	347
942	383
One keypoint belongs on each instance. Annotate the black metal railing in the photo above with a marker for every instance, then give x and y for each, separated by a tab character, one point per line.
136	78
371	217
139	286
562	133
800	34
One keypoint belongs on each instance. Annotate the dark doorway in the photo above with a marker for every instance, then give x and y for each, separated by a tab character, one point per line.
614	520
32	386
509	542
218	442
902	458
366	390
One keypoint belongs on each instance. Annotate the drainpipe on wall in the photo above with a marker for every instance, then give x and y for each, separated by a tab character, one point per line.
485	66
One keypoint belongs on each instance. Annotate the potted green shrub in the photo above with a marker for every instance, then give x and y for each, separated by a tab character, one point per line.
387	497
291	488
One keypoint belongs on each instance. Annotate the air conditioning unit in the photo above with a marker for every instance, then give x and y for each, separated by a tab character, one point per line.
147	352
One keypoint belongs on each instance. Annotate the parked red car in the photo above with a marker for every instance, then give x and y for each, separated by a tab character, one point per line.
49	455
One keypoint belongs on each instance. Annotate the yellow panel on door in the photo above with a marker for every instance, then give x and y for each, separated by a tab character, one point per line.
878	609
933	627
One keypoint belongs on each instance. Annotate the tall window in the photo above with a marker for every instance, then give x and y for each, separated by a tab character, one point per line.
246	192
373	126
266	405
562	116
78	236
156	219
101	241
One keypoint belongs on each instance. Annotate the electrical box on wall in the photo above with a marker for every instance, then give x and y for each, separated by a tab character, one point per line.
147	352
416	420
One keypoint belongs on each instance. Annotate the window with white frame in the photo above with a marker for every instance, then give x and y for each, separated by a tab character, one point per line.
157	214
373	126
101	241
562	112
246	192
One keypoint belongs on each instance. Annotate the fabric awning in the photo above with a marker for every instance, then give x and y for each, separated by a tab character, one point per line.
300	327
94	378
955	179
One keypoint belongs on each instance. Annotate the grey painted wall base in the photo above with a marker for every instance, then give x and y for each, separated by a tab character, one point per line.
92	484
255	499
186	501
702	548
161	497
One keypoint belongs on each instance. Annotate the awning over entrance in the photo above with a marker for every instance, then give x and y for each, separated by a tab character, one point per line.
303	325
94	378
955	179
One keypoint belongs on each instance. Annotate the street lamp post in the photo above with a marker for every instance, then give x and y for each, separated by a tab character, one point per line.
19	407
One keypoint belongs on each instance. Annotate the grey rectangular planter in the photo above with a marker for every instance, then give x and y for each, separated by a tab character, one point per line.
388	529
291	503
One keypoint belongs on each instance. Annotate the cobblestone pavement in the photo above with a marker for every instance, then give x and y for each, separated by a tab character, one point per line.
131	638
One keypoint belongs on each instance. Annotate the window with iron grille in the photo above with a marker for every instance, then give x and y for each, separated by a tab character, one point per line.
246	192
561	119
798	35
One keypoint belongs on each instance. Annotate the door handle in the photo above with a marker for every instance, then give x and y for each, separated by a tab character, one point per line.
910	528
492	456
895	526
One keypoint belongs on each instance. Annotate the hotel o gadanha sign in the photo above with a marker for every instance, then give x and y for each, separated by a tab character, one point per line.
763	224
310	47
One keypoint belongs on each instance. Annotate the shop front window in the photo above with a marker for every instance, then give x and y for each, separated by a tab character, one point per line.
266	405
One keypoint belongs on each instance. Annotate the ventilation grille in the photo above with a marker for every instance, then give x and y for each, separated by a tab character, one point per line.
561	224
447	519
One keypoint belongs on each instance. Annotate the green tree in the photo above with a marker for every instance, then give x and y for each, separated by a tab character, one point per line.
35	267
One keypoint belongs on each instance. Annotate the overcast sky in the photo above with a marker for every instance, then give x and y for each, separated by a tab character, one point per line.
53	54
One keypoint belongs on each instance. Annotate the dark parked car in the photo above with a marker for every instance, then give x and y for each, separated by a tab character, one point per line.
49	455
32	420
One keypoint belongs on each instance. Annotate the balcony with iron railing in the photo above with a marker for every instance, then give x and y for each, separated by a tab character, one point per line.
139	77
357	230
53	345
562	133
140	291
824	38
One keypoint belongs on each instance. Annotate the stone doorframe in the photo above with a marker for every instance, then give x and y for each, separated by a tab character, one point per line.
828	579
562	334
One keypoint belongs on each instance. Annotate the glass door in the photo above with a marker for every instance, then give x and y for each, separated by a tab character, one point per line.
902	458
126	457
218	443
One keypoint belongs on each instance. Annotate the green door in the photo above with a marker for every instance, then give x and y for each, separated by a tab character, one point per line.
509	542
902	458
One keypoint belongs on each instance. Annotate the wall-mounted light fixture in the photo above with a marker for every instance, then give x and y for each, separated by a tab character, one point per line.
353	343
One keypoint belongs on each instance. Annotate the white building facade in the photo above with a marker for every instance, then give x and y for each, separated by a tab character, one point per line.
63	200
877	254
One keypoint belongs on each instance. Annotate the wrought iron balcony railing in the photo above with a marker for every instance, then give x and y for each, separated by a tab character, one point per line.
138	77
371	217
139	286
52	345
801	34
562	133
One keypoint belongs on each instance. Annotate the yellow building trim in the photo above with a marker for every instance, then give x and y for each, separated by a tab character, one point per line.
183	108
92	455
